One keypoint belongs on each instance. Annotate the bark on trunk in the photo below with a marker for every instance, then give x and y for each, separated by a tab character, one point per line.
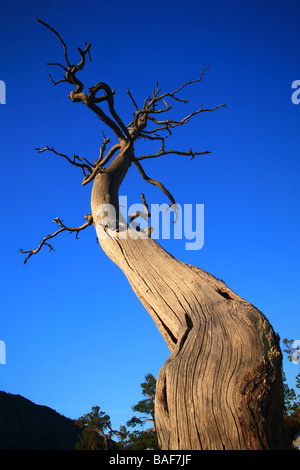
221	387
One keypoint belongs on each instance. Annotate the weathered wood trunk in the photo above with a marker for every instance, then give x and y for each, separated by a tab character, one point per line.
221	387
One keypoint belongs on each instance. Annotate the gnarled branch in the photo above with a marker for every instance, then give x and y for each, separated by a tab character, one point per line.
76	161
175	152
63	228
59	37
156	98
142	117
89	169
154	182
171	123
90	100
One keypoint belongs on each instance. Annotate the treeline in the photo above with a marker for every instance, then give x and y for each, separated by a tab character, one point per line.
97	432
291	396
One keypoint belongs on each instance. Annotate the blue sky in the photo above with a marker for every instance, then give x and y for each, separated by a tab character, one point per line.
76	336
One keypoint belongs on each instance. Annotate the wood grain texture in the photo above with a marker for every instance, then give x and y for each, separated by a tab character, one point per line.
221	387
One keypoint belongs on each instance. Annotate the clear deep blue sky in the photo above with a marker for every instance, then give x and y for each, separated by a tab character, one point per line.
76	336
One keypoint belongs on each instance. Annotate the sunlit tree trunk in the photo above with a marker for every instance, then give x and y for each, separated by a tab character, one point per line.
221	387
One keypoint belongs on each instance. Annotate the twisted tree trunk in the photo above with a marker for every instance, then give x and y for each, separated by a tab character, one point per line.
221	387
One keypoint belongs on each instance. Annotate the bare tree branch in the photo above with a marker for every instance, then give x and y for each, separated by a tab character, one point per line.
56	33
89	169
90	99
172	95
135	215
58	64
102	160
138	128
133	101
144	215
142	117
110	101
102	149
58	81
154	182
76	161
109	154
173	123
62	229
176	152
146	207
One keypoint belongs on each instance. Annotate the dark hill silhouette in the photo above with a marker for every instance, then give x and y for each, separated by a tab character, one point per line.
27	426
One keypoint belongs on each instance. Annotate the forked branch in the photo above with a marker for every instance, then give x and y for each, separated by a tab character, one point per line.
80	162
89	221
156	97
161	152
139	127
90	99
171	123
141	118
89	169
149	122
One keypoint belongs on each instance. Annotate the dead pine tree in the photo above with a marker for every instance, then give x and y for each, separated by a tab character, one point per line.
221	387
